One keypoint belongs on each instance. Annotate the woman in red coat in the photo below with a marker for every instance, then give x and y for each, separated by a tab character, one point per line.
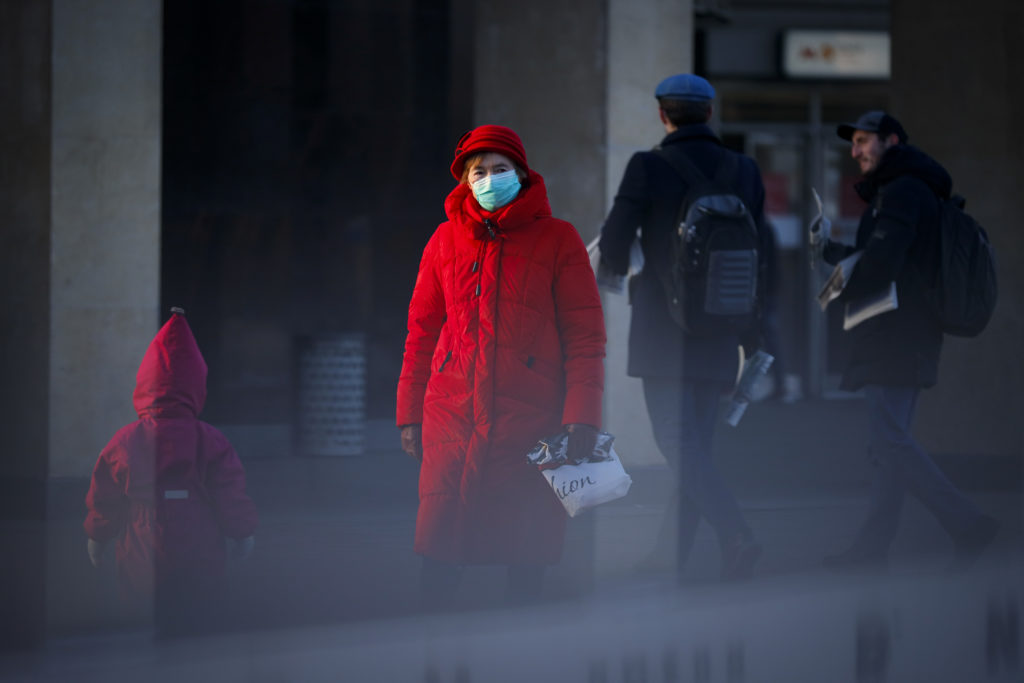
505	346
169	487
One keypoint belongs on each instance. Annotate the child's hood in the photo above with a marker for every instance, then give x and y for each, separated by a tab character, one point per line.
172	377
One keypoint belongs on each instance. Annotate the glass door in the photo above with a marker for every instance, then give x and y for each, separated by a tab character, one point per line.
796	160
791	133
843	207
781	153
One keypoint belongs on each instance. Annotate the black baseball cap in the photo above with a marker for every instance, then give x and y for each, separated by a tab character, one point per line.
876	121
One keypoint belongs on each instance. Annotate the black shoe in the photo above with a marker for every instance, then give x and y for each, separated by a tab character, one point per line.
856	560
739	558
969	547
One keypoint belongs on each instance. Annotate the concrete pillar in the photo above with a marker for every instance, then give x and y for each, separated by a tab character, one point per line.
539	68
955	88
25	41
80	210
576	80
104	218
647	41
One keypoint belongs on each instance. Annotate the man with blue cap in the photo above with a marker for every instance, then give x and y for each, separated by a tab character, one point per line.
684	374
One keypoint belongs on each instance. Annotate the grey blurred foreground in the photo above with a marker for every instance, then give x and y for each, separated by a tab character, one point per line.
330	594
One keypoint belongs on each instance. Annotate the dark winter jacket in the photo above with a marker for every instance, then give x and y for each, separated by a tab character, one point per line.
169	487
505	345
896	233
649	198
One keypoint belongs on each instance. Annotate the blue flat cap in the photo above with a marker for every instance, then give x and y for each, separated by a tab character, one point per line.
685	87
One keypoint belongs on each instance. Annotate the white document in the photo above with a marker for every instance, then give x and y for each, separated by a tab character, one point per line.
857	312
836	282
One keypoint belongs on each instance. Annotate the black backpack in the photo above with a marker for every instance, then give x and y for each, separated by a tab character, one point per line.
712	281
961	286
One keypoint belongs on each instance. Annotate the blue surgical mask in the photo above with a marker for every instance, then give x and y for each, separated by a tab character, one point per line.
495	191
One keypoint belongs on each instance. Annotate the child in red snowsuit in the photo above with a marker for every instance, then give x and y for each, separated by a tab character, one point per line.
169	487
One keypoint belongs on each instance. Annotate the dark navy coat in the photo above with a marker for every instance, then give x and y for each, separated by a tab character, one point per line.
649	198
897	233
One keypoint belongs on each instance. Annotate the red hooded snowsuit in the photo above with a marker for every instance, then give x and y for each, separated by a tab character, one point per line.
505	346
169	487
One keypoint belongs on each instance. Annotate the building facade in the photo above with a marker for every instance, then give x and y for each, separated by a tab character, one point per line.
275	168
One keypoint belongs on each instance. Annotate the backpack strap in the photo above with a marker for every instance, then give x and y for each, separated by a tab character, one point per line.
728	170
725	172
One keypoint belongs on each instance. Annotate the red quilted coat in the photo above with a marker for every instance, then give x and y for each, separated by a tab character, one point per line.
505	346
169	487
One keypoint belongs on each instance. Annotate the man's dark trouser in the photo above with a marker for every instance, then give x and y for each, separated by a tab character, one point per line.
900	465
683	417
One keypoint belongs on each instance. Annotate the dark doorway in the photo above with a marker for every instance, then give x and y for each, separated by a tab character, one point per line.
305	145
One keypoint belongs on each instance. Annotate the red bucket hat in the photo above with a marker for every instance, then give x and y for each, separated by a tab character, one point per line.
489	139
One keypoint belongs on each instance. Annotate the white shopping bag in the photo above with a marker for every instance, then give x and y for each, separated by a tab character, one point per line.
599	479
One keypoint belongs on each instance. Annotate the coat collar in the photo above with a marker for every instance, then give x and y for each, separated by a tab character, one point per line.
531	203
905	160
695	131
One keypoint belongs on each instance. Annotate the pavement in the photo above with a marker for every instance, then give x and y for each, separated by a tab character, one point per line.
332	585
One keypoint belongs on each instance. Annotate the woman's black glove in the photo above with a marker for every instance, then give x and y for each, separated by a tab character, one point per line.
582	439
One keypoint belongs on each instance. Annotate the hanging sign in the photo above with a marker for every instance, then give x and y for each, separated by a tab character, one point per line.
835	54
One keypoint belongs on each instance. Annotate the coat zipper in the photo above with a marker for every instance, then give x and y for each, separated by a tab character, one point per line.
476	264
447	358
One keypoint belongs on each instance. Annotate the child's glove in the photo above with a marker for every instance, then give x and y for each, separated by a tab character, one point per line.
95	550
241	548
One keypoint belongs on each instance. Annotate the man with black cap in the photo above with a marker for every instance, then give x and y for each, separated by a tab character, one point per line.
684	376
894	355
